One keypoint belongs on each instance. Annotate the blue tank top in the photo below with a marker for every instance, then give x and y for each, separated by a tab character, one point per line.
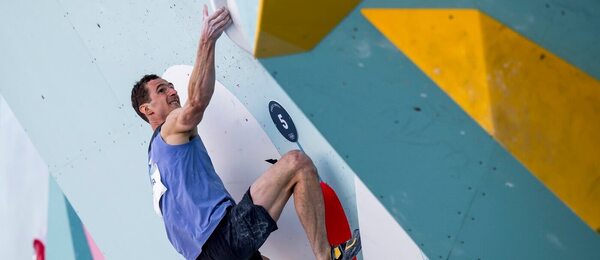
194	199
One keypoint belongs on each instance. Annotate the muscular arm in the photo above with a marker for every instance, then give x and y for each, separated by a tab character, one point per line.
202	80
201	85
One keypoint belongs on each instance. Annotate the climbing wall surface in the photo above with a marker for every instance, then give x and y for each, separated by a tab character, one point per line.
23	190
33	206
66	238
67	71
461	192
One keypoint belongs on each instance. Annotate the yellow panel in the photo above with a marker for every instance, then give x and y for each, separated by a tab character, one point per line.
543	110
291	26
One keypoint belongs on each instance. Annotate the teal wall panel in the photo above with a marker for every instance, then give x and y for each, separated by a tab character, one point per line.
456	191
567	28
80	242
59	241
66	238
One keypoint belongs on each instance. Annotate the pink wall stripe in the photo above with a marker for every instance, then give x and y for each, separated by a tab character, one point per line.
96	254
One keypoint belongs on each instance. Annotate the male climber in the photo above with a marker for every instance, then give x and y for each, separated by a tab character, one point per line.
201	219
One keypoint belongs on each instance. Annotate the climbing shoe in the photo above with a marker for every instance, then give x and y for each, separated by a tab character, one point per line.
348	249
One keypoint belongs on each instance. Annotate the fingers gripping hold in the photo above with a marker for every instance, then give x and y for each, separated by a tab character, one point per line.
215	24
221	25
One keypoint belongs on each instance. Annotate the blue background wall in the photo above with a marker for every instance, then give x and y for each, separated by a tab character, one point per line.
457	192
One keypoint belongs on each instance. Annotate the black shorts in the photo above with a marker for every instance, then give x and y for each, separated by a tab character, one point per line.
241	232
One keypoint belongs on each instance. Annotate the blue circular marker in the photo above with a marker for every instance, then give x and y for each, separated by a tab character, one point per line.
283	122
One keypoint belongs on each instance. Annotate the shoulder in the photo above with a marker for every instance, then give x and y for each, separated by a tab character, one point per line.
171	119
169	129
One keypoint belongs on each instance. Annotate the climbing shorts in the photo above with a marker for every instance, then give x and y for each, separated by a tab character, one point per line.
241	232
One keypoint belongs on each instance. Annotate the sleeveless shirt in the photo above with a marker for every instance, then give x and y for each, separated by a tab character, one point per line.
188	193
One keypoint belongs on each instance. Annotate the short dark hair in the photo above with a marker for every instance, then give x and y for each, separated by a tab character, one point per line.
139	94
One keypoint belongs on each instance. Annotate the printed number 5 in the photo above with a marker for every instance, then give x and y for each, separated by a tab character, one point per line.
285	125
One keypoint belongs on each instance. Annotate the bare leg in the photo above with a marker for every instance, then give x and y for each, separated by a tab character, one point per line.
295	174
